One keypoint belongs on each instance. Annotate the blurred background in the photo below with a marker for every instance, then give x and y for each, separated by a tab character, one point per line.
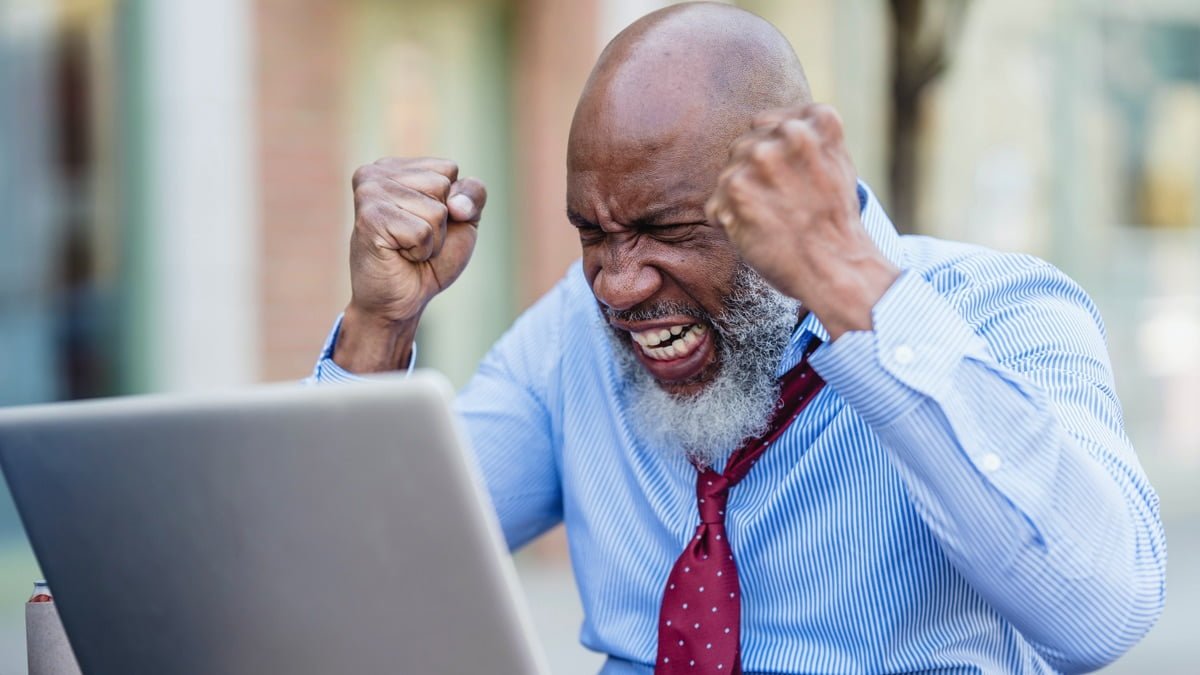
175	202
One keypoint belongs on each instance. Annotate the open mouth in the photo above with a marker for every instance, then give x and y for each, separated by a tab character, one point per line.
666	344
675	354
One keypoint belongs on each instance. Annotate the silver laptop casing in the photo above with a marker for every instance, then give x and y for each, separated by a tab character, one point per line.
285	529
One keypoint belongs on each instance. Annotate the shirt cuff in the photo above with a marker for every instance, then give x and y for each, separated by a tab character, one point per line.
917	341
329	371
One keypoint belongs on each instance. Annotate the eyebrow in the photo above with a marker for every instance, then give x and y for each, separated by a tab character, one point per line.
669	215
578	220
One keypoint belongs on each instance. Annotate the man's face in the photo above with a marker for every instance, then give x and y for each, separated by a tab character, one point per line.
696	333
657	268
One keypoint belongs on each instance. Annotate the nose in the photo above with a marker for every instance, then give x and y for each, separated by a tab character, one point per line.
624	281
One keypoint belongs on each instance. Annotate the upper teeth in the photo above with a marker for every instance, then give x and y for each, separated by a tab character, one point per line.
650	340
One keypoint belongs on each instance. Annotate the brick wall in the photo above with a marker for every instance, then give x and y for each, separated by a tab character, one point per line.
304	195
556	48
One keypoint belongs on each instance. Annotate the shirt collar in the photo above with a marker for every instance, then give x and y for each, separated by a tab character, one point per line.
887	240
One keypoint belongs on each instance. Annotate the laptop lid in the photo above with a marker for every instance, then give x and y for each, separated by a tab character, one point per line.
284	529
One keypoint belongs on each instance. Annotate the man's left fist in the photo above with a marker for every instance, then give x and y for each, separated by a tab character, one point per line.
788	201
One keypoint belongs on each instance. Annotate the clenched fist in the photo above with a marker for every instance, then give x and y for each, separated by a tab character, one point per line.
414	230
788	201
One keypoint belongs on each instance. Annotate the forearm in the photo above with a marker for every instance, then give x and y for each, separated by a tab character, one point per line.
1061	547
1033	497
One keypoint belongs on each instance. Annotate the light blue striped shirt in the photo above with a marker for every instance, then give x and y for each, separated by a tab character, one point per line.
961	497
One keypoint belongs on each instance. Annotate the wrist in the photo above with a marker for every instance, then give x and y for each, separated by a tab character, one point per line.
369	343
850	293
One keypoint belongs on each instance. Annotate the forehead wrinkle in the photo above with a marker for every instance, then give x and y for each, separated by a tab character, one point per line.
649	195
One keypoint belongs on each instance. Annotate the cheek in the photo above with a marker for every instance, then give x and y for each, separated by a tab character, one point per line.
705	274
720	269
717	256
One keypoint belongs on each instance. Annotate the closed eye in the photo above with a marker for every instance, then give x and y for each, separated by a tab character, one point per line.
590	234
673	232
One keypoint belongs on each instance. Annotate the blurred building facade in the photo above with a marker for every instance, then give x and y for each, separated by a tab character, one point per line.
175	201
192	159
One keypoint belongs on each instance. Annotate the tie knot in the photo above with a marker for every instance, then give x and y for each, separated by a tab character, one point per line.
712	493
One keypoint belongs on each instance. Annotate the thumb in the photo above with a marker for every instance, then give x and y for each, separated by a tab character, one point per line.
466	201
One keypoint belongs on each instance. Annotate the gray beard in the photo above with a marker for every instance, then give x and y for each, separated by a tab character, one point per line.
752	334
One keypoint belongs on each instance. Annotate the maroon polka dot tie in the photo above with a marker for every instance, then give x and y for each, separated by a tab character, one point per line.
698	626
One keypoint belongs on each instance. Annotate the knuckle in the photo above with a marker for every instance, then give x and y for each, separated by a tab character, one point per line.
439	212
823	112
440	165
827	119
425	181
430	182
764	152
737	186
366	197
363	186
404	237
793	129
365	207
425	235
371	213
799	134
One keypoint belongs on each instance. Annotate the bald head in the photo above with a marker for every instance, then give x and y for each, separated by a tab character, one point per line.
690	73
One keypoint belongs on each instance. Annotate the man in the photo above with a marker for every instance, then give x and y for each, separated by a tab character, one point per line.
958	496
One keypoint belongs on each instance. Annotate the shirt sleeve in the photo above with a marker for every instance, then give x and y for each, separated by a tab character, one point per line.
327	370
508	409
999	412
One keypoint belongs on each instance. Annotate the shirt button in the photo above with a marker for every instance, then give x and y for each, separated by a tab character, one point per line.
904	355
990	462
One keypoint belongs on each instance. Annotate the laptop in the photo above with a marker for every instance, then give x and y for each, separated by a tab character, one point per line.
284	529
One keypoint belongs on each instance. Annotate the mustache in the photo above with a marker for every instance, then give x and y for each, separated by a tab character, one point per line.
655	311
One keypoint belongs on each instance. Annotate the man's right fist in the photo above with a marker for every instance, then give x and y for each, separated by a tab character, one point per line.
414	230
